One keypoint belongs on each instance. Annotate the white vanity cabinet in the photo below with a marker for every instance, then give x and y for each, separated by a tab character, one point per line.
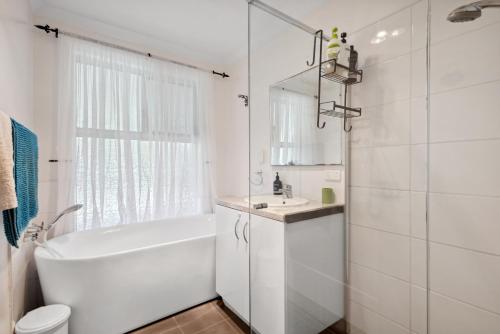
267	275
292	270
232	259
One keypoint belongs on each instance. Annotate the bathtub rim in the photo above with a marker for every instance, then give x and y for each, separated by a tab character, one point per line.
42	252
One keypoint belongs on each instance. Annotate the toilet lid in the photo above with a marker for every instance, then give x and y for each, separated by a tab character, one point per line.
43	319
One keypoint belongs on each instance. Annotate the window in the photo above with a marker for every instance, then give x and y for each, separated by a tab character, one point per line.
141	145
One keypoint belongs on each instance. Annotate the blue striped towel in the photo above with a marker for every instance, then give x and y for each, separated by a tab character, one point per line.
26	178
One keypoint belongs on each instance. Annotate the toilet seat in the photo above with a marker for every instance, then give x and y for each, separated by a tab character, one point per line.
43	319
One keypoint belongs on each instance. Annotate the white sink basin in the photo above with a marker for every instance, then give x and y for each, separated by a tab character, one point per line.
276	201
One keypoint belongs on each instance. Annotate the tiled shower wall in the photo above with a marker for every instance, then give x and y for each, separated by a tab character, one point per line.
387	273
388	184
464	166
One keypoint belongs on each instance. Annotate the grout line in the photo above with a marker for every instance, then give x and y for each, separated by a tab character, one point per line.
381	272
444	91
463	248
381	230
385	188
453	299
212	325
391	102
465	194
424	239
411	145
473	140
398	11
381	315
410	135
470	31
178	325
391	59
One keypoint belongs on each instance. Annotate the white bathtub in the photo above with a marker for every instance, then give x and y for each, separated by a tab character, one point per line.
120	278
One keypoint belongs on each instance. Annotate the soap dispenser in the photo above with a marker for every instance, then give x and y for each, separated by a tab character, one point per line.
277	186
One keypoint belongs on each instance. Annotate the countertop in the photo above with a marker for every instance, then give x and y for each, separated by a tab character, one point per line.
287	215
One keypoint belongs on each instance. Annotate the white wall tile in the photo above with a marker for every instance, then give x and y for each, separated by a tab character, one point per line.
382	167
385	252
465	168
465	275
465	221
451	316
365	321
418	310
387	124
371	289
418	215
419	262
467	113
419	73
419	25
418	110
383	83
419	167
387	210
466	60
384	40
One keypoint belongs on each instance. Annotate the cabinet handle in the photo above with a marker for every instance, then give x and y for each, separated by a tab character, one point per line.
244	232
236	227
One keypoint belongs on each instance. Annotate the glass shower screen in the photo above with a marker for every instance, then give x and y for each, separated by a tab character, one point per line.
357	262
297	247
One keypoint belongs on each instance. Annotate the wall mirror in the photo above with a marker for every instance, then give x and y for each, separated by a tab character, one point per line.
295	139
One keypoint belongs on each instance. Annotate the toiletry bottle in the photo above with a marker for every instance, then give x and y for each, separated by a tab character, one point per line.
277	186
332	51
333	46
353	66
343	57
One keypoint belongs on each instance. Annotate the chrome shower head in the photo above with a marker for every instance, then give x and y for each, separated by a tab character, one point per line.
471	11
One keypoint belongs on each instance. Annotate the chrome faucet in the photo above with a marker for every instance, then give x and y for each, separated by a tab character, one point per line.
33	231
287	191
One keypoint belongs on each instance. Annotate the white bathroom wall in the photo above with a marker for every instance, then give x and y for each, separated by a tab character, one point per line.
45	95
464	195
232	133
275	55
18	282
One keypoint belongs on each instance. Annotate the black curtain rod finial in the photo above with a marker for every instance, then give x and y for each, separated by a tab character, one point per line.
223	74
48	29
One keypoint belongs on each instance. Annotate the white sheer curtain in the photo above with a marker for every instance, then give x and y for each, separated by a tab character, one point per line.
294	134
134	136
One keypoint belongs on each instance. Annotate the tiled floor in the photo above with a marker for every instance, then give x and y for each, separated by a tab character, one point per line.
209	318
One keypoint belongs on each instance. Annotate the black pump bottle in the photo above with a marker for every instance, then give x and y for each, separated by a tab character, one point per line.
277	186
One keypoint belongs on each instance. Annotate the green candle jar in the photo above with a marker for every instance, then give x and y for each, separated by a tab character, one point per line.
327	196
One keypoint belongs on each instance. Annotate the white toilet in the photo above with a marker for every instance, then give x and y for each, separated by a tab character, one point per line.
52	319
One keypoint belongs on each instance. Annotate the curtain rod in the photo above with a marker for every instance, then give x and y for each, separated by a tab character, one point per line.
58	32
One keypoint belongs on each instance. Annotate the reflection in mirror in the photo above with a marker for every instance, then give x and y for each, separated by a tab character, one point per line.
295	139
